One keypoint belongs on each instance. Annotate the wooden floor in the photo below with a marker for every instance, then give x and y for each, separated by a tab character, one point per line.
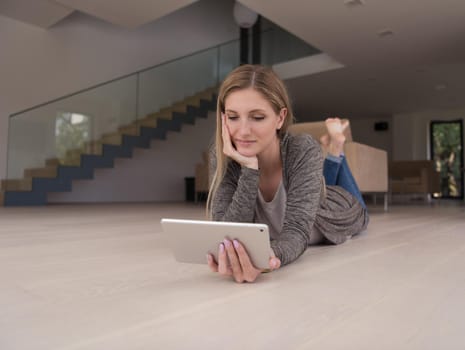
101	277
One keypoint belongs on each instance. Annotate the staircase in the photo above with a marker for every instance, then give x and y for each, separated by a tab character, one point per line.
57	174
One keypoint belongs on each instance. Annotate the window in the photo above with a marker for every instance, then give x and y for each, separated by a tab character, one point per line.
447	153
72	131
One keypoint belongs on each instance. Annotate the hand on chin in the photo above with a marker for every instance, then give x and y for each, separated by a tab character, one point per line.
246	151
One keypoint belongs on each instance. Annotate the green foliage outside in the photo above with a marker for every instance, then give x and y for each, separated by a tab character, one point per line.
447	156
71	132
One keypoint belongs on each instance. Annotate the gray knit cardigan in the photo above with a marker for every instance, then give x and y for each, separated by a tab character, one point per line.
310	205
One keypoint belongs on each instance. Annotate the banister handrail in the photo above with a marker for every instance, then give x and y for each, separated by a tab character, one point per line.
127	98
132	74
122	77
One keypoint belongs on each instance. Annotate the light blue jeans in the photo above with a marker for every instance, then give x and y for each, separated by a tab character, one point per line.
337	172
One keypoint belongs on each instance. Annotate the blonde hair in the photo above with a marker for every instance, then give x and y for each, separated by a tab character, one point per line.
265	81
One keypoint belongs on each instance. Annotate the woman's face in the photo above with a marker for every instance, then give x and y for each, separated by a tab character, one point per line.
252	122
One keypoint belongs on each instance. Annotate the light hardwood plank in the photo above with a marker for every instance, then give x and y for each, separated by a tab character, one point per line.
101	277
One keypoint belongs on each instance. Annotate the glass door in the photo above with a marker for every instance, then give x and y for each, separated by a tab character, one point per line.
447	153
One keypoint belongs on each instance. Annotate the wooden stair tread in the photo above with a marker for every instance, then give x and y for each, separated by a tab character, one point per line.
114	138
147	122
130	129
193	101
206	94
48	171
180	107
52	161
17	185
95	147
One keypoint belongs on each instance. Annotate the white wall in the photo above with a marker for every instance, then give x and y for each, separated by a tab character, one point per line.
408	135
363	131
154	174
40	65
411	132
32	134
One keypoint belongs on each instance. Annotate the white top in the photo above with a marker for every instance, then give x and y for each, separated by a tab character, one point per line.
272	213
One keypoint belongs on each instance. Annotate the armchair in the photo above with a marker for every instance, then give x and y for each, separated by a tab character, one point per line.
369	165
414	177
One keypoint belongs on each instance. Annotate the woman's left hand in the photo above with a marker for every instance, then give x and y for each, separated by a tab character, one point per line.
240	266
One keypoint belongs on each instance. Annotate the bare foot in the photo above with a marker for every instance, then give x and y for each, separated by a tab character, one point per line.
335	135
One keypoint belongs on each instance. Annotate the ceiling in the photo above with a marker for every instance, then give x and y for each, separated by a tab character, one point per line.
40	13
128	14
420	66
124	13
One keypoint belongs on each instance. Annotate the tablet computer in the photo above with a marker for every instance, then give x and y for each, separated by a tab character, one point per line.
191	240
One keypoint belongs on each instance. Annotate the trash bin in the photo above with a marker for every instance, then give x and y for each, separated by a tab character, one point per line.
190	189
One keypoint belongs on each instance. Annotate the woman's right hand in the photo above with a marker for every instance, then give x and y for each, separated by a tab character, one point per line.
230	151
235	262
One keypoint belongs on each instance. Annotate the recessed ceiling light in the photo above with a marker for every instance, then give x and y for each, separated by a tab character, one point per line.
354	3
385	32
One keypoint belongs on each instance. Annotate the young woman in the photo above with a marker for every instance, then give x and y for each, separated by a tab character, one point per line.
263	174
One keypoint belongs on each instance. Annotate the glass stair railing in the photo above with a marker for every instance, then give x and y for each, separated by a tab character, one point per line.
55	143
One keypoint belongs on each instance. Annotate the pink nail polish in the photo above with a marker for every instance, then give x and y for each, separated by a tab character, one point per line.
221	247
236	244
227	243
